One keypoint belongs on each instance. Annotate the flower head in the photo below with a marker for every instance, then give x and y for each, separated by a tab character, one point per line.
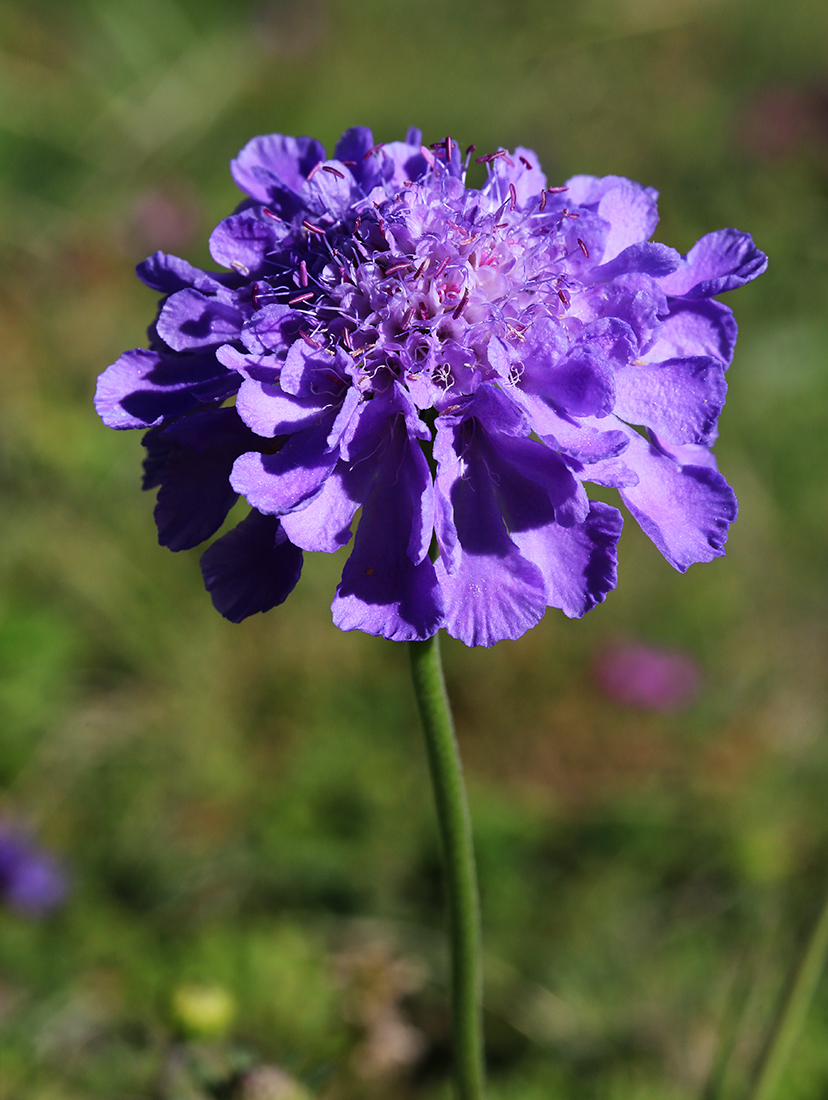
455	362
646	677
31	879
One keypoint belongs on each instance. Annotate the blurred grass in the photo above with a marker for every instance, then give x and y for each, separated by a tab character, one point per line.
234	802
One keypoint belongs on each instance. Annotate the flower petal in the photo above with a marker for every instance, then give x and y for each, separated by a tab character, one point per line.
190	321
716	263
146	388
252	568
383	591
680	399
685	510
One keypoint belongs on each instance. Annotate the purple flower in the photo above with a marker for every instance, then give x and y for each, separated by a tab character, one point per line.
648	678
31	880
456	363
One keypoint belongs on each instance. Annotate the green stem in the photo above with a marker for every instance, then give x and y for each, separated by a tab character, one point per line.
458	858
791	1018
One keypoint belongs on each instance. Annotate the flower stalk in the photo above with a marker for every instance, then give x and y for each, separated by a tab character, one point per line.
791	1018
458	861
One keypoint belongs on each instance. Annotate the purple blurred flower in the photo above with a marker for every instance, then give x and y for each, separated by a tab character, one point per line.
651	679
454	362
31	879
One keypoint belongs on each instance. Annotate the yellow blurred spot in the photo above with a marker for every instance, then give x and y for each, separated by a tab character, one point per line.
203	1011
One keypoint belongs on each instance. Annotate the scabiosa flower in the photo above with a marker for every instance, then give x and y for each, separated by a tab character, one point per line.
31	879
646	677
455	362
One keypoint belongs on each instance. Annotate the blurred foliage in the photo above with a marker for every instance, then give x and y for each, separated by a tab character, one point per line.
245	810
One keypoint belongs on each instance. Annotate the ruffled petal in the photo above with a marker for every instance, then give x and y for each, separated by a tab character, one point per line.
579	564
718	262
383	591
146	388
685	510
269	166
279	483
252	568
169	274
190	321
243	242
680	399
492	592
700	327
191	462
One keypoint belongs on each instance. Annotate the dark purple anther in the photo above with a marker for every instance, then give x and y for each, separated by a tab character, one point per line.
542	201
461	305
583	248
313	228
525	162
334	171
301	298
512	196
314	170
303	273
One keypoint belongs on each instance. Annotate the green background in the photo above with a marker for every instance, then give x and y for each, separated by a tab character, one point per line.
246	808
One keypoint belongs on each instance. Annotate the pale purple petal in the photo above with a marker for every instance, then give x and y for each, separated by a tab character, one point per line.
190	321
720	261
383	591
279	483
685	510
267	165
146	388
700	327
680	399
578	563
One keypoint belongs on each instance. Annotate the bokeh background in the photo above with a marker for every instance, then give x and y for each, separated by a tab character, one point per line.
233	874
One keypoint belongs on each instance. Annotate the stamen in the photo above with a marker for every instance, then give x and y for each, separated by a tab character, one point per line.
542	201
242	269
461	304
401	266
374	149
269	214
346	339
313	228
313	343
556	190
314	170
443	265
525	162
300	298
563	297
349	163
422	268
449	147
334	171
303	273
583	248
406	317
512	197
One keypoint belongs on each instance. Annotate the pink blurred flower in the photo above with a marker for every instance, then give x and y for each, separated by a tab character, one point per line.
642	676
